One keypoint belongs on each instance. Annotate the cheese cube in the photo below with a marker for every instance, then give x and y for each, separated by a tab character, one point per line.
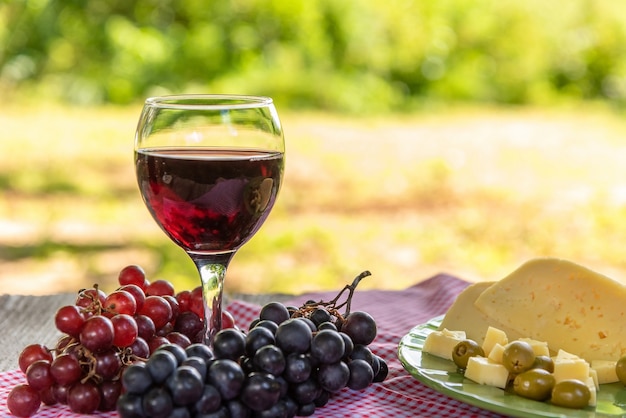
540	348
484	372
562	354
495	356
605	369
568	368
441	343
492	337
593	399
594	375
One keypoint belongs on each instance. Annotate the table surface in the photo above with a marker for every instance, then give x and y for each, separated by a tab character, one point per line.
30	319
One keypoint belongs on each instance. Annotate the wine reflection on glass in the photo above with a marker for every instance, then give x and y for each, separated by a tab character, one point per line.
209	168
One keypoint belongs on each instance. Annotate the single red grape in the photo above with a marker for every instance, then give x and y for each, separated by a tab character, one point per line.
184	300
228	321
83	398
69	320
110	391
108	364
23	401
160	288
65	369
120	302
179	339
156	342
133	274
174	305
158	309
124	330
140	348
97	333
137	293
89	298
47	396
31	353
145	327
38	375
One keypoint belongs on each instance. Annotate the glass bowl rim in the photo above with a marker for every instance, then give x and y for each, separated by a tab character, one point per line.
208	101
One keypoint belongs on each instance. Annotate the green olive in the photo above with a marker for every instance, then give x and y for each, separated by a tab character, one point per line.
464	350
518	356
534	384
571	394
544	362
620	369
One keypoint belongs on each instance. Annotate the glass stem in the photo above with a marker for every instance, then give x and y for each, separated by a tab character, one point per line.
212	269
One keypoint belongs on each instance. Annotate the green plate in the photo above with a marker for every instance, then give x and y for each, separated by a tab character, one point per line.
442	376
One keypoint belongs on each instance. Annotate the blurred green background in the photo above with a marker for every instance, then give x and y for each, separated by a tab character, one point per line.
423	136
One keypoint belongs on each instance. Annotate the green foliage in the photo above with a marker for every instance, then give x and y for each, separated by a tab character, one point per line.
350	55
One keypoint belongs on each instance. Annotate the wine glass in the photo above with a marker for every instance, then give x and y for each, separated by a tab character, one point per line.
209	168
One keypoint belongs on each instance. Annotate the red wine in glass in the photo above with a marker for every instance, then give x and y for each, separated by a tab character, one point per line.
209	200
209	168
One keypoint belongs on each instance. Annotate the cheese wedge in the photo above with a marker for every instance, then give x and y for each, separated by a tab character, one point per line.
463	315
562	303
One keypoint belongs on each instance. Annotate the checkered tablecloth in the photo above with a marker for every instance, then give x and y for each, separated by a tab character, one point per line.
399	396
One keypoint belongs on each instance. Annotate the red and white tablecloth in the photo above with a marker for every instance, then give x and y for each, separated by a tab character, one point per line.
399	396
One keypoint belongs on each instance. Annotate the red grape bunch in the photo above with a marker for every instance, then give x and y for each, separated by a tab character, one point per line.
290	362
102	335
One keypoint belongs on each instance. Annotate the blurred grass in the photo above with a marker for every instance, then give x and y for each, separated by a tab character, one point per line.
472	192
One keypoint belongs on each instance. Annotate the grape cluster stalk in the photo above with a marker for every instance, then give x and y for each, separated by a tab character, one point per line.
139	351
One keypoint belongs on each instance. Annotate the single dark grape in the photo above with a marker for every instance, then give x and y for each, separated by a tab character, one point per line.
382	372
271	325
361	375
145	327
227	376
322	399
362	352
349	345
129	405
306	410
136	378
179	352
327	325
200	350
319	316
305	392
308	322
258	337
327	346
210	400
275	312
23	401
269	359
180	412
84	398
238	409
360	326
260	392
333	377
157	403
229	344
297	368
161	365
186	385
294	336
197	363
